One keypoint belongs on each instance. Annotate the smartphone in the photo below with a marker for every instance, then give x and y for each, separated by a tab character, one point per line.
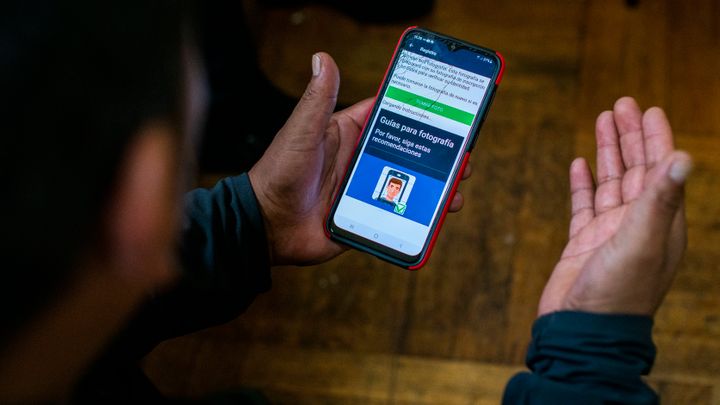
414	146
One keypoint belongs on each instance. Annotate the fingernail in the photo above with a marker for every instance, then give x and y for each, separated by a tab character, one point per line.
316	64
680	170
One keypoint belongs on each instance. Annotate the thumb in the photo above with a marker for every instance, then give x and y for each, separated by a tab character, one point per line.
312	113
662	198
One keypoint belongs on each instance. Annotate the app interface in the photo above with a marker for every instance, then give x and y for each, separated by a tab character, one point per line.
416	140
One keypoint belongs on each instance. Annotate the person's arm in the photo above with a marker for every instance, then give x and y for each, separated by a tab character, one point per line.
592	341
224	265
580	357
224	255
223	258
233	233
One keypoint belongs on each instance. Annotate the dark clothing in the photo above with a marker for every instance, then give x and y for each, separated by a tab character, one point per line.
574	357
578	357
224	255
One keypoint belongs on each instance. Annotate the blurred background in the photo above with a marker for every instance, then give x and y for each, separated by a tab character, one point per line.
357	330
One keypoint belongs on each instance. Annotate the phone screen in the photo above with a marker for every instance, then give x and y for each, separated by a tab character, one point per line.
425	116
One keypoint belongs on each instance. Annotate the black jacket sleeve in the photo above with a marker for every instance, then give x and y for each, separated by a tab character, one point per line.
224	257
224	264
578	357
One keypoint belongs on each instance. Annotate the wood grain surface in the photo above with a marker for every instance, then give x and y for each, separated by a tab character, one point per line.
357	330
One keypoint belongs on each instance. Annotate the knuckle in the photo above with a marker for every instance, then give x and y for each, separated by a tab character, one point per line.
313	94
310	94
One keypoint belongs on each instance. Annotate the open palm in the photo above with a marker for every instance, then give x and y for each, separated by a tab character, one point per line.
628	232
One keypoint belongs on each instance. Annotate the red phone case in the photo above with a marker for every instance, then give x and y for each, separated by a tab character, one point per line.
433	238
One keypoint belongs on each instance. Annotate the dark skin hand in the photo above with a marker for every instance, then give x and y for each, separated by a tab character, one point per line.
295	179
628	231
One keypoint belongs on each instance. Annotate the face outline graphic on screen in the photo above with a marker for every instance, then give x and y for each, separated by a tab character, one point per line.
394	185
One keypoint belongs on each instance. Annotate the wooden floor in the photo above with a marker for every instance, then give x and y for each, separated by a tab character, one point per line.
357	330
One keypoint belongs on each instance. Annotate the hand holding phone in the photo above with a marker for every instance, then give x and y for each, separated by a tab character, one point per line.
414	146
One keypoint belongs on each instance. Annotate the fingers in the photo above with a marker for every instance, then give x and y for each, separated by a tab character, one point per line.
358	112
610	168
582	194
457	202
348	123
467	172
658	136
628	121
661	202
312	113
351	121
